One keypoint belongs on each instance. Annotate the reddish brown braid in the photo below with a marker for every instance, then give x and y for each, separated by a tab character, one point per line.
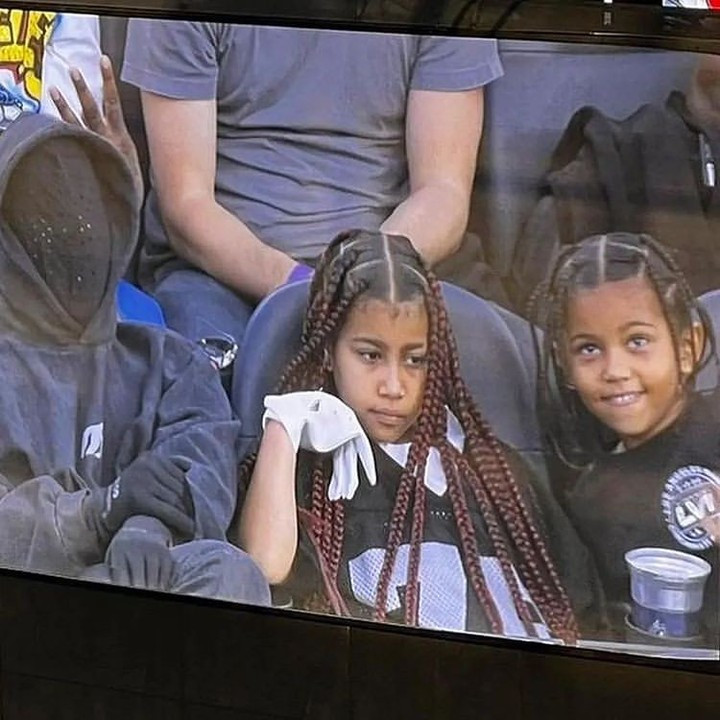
490	464
480	470
503	506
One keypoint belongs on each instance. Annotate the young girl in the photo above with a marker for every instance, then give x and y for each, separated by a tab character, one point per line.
437	525
624	339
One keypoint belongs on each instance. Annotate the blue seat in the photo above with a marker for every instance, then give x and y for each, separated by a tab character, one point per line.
707	379
494	345
134	305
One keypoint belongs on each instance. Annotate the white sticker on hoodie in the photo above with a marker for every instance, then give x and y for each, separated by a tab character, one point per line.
92	441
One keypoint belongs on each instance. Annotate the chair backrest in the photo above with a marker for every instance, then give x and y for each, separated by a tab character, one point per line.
494	347
708	377
134	305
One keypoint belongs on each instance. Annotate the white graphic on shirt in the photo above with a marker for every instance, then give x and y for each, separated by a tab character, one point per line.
686	501
92	441
442	588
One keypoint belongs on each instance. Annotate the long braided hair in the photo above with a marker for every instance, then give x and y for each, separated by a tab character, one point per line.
360	264
571	431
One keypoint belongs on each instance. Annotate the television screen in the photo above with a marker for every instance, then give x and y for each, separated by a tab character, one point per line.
363	324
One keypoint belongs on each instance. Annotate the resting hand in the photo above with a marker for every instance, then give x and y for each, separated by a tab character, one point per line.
152	486
323	423
711	523
139	559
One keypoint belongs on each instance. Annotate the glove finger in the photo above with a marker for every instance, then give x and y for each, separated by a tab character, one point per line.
180	499
119	568
149	571
175	519
165	571
335	488
167	487
188	502
175	489
181	462
365	453
167	468
344	481
158	568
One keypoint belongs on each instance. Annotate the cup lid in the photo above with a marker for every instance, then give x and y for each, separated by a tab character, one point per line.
668	565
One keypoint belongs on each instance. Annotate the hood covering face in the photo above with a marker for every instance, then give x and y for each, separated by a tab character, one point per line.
69	216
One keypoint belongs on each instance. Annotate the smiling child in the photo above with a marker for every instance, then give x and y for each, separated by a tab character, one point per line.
624	339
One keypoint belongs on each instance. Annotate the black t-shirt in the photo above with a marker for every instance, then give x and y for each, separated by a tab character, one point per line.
447	599
617	504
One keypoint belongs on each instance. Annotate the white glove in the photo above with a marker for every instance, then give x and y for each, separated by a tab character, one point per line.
318	421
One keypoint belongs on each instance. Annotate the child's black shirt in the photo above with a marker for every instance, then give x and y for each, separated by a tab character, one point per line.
447	600
616	504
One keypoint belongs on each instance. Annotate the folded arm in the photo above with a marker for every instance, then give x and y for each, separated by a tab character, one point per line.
443	131
182	141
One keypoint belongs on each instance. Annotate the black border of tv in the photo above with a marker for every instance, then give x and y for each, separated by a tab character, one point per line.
340	668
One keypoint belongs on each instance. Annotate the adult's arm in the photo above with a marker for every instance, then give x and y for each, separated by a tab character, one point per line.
192	419
443	131
182	141
46	524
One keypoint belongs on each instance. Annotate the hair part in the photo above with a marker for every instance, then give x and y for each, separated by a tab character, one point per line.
574	435
361	265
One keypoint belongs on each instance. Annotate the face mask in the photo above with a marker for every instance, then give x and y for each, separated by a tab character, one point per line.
57	209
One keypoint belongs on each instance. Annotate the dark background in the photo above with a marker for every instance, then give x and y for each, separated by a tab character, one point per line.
70	650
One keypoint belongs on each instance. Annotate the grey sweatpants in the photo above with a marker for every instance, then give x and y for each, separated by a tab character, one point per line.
209	568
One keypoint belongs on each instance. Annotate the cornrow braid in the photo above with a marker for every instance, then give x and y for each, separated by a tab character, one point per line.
373	265
570	431
503	506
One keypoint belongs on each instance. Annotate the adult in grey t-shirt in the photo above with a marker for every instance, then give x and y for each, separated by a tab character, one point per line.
266	142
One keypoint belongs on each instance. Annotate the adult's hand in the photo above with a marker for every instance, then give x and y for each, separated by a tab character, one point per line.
152	486
711	523
108	122
139	559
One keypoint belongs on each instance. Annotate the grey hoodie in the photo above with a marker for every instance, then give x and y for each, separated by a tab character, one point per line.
79	403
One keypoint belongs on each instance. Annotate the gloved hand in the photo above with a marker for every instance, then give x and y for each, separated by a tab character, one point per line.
153	486
319	421
139	558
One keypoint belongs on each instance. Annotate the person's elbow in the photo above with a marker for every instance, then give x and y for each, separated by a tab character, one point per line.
454	197
274	555
181	211
275	566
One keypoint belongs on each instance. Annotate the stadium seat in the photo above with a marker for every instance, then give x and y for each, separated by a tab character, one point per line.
495	357
708	377
134	305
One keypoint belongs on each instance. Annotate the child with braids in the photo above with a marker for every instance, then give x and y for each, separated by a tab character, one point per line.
378	490
623	340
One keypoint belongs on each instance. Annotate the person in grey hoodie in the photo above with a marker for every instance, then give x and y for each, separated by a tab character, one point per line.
117	442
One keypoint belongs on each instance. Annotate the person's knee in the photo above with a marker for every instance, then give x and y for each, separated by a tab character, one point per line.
223	571
198	306
241	574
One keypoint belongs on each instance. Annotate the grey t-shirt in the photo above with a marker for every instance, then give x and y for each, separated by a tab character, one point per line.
310	123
